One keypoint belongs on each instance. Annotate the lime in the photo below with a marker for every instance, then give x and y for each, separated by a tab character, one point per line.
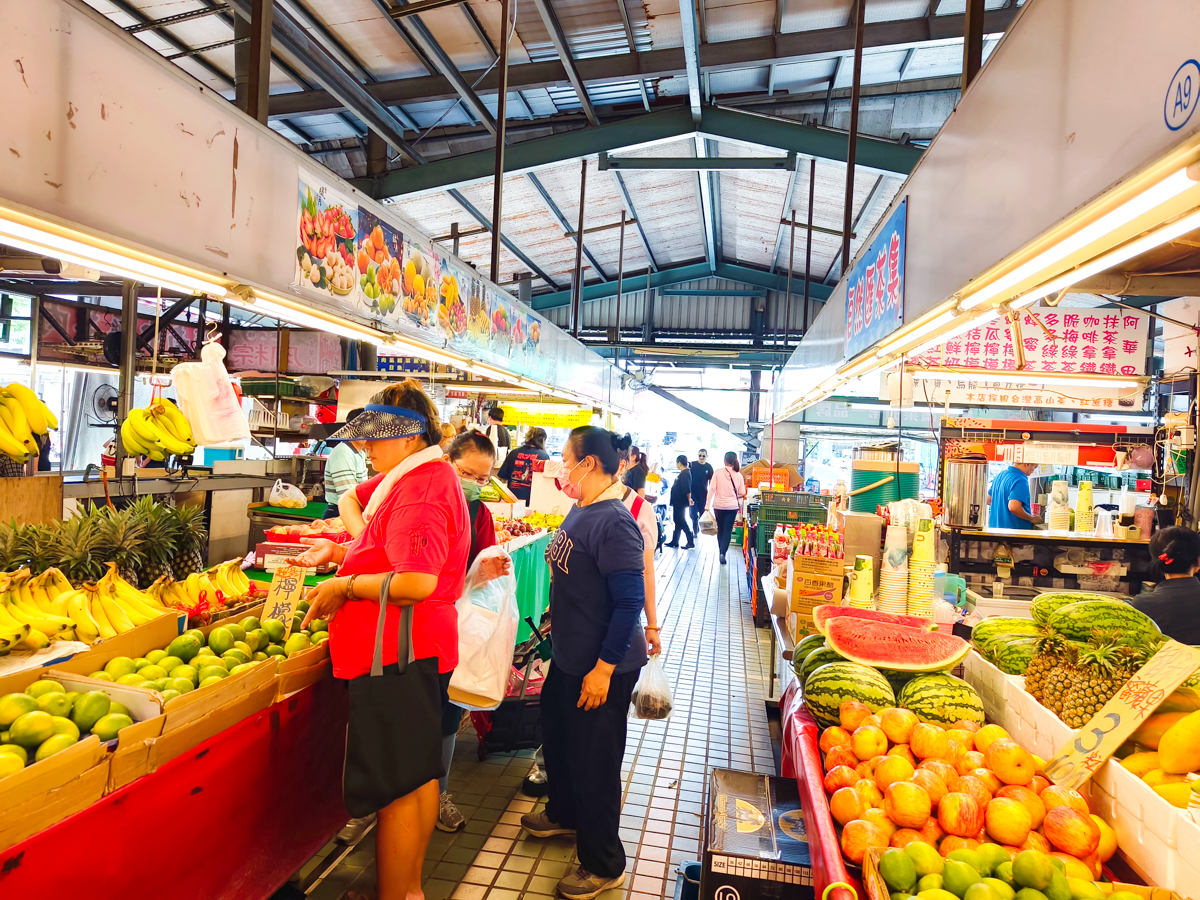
1004	872
971	857
250	623
928	882
236	654
180	685
1058	889
155	655
978	891
296	644
275	650
213	679
958	876
71	695
220	640
1084	890
238	632
45	686
251	641
115	708
170	694
320	637
274	629
196	633
190	673
899	895
318	625
242	668
52	745
141	662
185	646
156	685
244	647
55	703
212	672
204	651
302	607
1030	893
153	673
898	870
10	764
106	729
936	894
15	750
1000	890
167	663
31	729
1032	869
133	679
1059	864
991	856
120	665
89	709
261	636
3	737
66	726
258	656
13	706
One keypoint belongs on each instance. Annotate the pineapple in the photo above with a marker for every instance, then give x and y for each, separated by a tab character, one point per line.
162	535
121	536
1096	679
192	543
1050	650
42	546
1059	679
79	557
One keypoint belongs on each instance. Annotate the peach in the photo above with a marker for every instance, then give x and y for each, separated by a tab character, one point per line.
907	804
932	831
840	756
860	836
1029	799
960	815
866	768
898	724
987	735
905	752
971	759
934	786
989	779
963	737
1011	762
868	741
851	713
940	768
846	805
892	769
904	837
839	777
953	842
1060	796
1039	783
1071	831
834	737
928	741
967	725
1007	821
880	819
1036	841
870	792
969	784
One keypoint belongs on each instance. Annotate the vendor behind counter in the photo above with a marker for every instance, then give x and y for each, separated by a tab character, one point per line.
1009	500
1174	603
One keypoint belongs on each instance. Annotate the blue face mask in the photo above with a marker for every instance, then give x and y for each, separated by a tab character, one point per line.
471	488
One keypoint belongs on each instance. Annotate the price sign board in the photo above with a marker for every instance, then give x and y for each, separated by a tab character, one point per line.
1120	717
287	587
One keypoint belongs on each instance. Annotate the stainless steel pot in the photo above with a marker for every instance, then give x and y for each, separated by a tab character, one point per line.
966	492
880	452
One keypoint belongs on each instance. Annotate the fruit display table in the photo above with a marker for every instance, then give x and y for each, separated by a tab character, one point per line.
232	818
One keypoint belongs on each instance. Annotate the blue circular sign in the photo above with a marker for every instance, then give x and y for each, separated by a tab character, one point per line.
1183	95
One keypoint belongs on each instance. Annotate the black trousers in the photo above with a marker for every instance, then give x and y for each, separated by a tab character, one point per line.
681	524
698	501
725	520
583	751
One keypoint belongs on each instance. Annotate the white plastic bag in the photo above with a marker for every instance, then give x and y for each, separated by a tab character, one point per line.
287	495
708	522
487	634
652	693
208	402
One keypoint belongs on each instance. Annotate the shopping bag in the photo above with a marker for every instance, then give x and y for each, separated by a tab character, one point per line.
487	634
208	401
652	693
708	523
287	495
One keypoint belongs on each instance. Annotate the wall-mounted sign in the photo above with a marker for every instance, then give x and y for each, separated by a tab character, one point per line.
875	289
999	391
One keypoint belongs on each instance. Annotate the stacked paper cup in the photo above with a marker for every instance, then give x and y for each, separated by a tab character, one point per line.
893	574
862	583
1058	516
920	571
1085	511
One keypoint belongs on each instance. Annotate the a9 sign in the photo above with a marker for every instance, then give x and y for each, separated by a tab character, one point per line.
1183	95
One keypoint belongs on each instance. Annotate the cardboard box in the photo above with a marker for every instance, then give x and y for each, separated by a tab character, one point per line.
297	681
175	741
807	590
51	806
37	780
270	555
817	565
771	862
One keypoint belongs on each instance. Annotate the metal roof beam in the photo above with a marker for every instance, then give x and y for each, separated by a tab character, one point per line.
708	214
562	221
516	251
867	204
559	39
144	20
716	122
671	62
627	202
691	54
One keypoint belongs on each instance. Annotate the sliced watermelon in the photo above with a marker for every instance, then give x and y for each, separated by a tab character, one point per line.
884	645
823	614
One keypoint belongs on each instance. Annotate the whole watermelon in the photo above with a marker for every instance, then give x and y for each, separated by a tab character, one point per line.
831	685
807	645
819	657
1013	655
1045	605
1077	621
941	699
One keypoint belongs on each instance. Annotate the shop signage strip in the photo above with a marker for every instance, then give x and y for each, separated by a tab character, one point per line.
875	289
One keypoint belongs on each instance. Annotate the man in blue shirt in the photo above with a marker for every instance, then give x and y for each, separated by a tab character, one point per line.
1008	498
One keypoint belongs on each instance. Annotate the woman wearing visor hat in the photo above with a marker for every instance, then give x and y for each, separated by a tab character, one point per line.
416	541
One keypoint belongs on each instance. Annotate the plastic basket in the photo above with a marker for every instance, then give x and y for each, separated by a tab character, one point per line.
793	500
288	387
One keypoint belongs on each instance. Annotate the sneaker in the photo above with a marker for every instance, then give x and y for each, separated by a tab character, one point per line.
536	784
583	885
540	825
355	829
449	818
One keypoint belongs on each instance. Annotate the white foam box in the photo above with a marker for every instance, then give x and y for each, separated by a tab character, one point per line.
992	686
1146	825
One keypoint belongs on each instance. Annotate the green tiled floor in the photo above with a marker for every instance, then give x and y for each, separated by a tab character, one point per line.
718	665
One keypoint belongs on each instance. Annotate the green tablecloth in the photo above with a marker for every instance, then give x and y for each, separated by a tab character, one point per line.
265	577
314	509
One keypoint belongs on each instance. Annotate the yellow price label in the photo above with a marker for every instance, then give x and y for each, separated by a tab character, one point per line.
287	587
1120	717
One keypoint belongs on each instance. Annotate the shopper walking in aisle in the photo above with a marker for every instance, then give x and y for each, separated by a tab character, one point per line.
498	434
596	597
517	470
416	543
725	500
681	499
345	467
702	474
636	470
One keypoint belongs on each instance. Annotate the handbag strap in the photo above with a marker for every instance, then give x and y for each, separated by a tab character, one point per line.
404	638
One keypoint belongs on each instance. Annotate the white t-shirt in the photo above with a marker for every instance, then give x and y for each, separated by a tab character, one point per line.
644	517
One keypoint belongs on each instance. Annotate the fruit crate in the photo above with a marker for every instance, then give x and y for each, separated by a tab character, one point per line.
770	516
793	499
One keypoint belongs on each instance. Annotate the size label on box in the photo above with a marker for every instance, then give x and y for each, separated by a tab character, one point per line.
287	587
761	869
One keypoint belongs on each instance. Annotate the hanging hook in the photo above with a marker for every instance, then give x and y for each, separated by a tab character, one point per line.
212	333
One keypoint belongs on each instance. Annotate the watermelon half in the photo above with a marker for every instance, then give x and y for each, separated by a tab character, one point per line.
884	645
822	615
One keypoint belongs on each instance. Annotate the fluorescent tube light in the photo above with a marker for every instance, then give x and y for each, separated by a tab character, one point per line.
933	324
976	322
1030	378
46	243
1167	189
262	304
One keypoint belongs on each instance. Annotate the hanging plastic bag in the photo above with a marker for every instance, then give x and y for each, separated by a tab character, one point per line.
708	522
487	634
652	693
287	495
208	401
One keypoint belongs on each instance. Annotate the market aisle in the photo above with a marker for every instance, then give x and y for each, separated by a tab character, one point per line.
718	665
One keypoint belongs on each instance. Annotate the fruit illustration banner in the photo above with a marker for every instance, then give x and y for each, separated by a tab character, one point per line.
875	289
325	247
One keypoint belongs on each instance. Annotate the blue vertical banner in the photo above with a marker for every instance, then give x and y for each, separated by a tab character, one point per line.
875	289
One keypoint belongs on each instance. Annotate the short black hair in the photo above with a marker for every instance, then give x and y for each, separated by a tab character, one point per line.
1175	550
496	414
681	460
471	440
354	414
591	440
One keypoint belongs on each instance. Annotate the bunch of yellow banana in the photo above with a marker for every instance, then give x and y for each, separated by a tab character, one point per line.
218	586
22	415
158	431
35	606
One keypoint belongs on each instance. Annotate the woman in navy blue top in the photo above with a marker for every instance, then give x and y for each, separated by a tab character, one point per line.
596	598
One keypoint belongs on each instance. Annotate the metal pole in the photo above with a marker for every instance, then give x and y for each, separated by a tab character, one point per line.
259	89
577	280
501	121
128	370
200	323
787	306
812	177
454	237
620	282
860	11
972	42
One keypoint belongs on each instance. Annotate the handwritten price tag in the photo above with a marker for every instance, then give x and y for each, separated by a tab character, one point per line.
287	586
1120	717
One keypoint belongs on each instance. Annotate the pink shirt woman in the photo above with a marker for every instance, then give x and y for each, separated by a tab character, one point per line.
725	500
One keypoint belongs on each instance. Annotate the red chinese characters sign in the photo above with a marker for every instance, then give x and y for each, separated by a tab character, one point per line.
1093	341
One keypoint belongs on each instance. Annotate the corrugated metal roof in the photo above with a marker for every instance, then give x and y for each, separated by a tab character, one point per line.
731	20
668	205
751	201
959	7
815	14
